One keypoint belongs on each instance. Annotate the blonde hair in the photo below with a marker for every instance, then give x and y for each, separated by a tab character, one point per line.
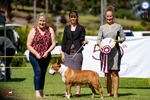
110	8
41	14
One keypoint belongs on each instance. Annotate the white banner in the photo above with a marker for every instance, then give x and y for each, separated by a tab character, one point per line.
135	62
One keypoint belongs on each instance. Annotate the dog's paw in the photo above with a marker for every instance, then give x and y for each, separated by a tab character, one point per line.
68	96
102	97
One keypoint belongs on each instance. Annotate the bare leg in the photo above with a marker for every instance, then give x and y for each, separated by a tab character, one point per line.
116	82
37	93
108	83
78	90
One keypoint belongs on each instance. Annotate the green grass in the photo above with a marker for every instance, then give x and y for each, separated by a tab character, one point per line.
128	22
22	84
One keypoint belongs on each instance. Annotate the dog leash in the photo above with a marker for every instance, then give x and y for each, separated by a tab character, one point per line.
76	52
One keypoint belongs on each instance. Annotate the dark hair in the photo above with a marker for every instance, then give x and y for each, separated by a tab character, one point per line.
73	12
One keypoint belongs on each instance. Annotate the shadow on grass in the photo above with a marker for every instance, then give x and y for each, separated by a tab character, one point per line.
125	94
134	87
59	95
87	95
14	80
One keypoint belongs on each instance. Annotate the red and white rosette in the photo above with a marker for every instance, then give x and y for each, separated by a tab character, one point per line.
107	44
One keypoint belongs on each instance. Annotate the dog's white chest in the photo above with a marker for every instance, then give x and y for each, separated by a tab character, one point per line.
63	79
62	70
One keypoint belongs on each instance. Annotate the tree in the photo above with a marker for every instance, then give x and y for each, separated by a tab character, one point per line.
6	4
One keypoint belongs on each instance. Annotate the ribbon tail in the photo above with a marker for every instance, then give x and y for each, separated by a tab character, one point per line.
105	64
106	67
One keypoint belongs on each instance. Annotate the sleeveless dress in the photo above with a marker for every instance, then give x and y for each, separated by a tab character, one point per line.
41	43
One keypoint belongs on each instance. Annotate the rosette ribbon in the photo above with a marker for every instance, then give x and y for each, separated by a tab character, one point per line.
106	51
107	44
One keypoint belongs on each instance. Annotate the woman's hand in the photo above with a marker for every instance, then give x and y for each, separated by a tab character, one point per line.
85	42
101	48
63	57
38	56
117	41
45	54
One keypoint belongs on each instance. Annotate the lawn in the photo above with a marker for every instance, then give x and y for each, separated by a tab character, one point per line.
22	84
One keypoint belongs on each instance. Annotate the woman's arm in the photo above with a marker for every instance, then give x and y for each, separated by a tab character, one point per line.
99	39
100	46
82	35
63	57
63	45
64	41
82	38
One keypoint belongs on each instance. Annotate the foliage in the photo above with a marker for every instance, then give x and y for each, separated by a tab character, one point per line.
91	7
125	14
128	28
143	23
6	4
120	3
139	27
59	38
60	7
55	57
23	33
17	62
57	8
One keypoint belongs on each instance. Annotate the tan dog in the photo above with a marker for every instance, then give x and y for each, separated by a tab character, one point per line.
77	77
